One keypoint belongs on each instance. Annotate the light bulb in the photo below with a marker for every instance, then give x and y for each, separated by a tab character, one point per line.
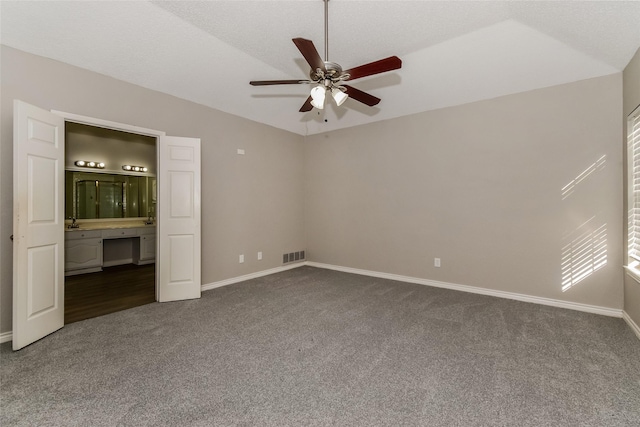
91	164
101	165
80	163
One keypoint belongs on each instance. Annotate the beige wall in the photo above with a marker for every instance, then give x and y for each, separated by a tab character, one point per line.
250	203
631	96
479	186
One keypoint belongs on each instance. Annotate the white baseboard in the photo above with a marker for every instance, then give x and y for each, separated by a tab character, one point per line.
250	276
612	312
6	337
633	325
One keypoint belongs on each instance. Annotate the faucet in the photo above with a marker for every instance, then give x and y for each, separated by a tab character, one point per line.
149	221
74	224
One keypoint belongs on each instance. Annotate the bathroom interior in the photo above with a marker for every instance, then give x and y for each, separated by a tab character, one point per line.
110	225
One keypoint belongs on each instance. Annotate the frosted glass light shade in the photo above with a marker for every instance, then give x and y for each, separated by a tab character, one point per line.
339	96
318	94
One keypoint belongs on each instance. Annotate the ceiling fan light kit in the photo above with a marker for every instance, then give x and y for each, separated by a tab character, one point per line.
329	77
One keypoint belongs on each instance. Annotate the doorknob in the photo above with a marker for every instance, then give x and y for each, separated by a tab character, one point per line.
11	237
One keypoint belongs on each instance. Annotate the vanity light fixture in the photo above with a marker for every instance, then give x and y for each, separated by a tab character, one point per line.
89	164
135	168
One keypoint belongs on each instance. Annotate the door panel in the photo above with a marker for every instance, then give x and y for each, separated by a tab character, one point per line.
41	291
42	202
38	272
179	219
181	250
181	194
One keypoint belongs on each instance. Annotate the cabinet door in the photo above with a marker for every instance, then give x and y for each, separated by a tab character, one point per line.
82	253
147	247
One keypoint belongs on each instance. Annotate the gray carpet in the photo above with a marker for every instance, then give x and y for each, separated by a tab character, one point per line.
318	347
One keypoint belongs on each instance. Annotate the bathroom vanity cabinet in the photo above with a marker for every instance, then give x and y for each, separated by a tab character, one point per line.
85	249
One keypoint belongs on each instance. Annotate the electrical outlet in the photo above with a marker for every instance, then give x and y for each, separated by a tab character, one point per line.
240	150
241	259
259	256
436	262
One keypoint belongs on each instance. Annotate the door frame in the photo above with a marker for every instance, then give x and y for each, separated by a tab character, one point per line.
107	124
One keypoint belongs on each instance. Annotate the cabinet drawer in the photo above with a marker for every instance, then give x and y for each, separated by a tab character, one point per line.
146	230
119	232
82	234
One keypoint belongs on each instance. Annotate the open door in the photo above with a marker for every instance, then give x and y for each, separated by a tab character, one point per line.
178	230
38	228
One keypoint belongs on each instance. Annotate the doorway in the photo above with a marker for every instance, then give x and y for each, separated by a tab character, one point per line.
110	196
39	255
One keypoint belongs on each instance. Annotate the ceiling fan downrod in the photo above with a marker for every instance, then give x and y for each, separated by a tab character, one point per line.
326	30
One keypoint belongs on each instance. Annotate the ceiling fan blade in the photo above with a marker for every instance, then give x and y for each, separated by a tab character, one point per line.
306	106
310	53
361	96
376	67
276	82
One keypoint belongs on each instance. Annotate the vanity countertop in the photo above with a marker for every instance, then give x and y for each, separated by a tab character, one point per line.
108	225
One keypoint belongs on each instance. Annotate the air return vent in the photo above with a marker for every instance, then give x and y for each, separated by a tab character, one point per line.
292	257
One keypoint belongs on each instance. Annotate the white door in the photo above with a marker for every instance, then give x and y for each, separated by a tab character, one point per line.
38	228
178	219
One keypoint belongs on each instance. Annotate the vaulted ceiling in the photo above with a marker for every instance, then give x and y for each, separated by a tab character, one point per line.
453	52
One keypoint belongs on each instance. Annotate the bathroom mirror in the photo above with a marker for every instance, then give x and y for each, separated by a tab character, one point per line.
91	195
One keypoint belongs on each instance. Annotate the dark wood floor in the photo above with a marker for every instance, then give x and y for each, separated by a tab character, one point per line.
114	289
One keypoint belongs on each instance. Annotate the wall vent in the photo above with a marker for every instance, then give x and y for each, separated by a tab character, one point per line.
292	257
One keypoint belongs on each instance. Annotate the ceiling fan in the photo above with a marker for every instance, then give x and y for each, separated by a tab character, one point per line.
328	77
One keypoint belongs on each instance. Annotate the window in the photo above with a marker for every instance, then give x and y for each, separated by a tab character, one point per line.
633	151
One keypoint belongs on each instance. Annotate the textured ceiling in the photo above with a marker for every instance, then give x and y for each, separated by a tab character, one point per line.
452	52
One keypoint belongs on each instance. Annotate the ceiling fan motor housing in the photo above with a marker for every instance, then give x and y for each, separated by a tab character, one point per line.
331	71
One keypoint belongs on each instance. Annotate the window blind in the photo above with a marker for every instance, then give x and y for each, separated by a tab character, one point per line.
633	141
